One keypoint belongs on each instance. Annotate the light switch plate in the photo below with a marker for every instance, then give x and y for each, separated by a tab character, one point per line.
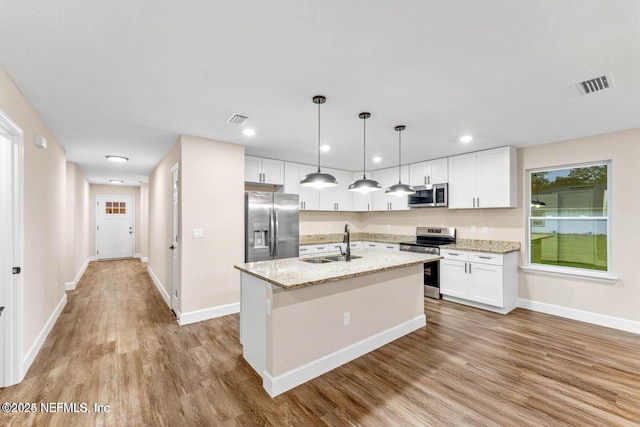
473	229
198	233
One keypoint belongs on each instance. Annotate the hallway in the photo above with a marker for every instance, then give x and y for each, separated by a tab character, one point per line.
117	344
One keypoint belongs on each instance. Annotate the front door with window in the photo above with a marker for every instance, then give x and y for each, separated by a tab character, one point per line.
114	227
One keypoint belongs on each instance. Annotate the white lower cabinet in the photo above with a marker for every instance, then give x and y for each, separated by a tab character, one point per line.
479	279
306	250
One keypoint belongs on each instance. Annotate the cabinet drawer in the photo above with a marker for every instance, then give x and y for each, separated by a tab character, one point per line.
390	246
454	254
486	258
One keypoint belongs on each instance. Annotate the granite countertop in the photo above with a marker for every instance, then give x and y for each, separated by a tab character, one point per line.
292	273
318	239
491	246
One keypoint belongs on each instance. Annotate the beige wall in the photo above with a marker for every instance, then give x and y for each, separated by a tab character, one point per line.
116	190
160	216
212	198
621	298
77	232
44	213
617	300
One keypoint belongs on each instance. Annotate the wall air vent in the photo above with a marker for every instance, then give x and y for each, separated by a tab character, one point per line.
237	119
595	85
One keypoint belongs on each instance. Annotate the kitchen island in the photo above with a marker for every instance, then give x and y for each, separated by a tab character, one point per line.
299	320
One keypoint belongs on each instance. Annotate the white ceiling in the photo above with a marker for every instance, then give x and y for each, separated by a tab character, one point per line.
127	77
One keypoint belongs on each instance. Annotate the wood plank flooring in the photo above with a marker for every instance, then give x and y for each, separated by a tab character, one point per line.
116	343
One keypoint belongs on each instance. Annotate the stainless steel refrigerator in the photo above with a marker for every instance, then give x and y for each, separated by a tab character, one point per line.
271	226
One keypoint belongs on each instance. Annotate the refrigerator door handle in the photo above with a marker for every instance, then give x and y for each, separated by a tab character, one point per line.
271	232
275	233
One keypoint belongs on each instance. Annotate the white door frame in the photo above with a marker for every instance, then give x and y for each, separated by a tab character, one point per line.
13	370
97	221
174	239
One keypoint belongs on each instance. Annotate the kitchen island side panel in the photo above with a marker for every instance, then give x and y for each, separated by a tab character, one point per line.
307	324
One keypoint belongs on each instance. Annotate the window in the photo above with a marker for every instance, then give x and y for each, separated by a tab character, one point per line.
569	218
115	208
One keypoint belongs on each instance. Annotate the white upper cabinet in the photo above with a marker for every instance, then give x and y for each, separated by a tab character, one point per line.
336	198
386	178
431	172
293	173
263	171
485	179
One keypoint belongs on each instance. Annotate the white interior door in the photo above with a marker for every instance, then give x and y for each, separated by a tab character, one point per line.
11	231
114	231
175	266
5	252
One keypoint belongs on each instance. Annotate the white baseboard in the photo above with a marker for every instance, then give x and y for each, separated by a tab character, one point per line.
284	382
37	345
156	281
582	316
92	258
70	286
141	258
208	313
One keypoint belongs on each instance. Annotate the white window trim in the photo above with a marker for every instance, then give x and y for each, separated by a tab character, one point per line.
599	275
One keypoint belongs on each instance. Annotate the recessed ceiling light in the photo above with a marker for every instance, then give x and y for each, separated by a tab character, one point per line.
377	159
119	159
116	181
249	132
466	138
325	148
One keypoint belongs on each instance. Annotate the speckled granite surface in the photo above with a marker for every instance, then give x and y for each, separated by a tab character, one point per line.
317	239
491	246
292	273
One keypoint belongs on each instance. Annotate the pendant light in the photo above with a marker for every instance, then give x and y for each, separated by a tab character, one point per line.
537	203
319	179
400	189
364	185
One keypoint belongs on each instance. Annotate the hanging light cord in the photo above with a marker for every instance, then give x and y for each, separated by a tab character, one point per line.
399	156
364	148
318	137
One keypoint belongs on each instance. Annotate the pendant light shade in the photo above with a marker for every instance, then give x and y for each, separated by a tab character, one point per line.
364	185
319	179
400	189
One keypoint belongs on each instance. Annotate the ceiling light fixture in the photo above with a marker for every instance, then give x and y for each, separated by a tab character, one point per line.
319	179
466	139
116	181
248	132
364	185
400	189
119	159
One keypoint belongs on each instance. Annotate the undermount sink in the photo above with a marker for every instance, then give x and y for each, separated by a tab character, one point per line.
315	260
326	259
341	257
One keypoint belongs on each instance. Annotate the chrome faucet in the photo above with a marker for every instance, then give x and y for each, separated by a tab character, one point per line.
347	239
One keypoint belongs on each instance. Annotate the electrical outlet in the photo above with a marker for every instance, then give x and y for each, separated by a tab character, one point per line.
485	229
473	230
198	233
347	318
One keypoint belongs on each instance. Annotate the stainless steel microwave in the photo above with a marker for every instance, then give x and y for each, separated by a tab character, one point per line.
429	196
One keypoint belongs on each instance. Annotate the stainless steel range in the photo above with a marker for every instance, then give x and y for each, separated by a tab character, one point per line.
428	241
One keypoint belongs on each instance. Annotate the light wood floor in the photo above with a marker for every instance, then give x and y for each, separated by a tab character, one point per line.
116	343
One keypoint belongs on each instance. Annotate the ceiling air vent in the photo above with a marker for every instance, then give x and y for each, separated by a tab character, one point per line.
595	85
237	119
